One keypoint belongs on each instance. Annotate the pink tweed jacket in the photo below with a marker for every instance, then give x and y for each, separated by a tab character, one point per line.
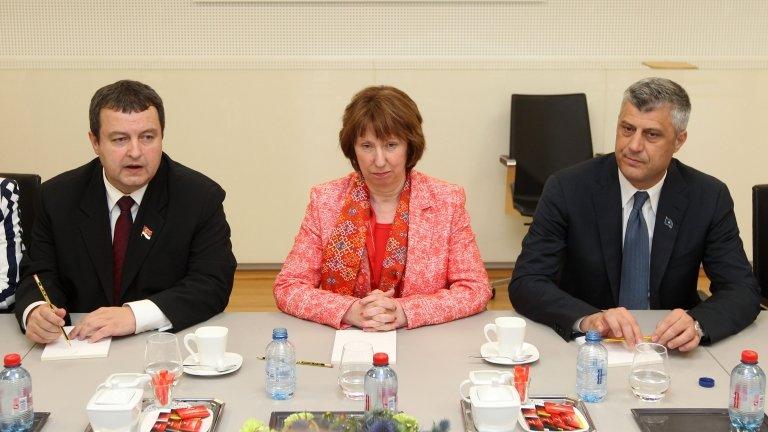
444	276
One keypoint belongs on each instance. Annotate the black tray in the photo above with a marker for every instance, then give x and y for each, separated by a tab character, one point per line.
39	421
216	406
277	418
685	419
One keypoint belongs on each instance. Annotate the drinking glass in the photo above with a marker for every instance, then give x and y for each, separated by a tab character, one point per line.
356	359
162	362
521	379
649	376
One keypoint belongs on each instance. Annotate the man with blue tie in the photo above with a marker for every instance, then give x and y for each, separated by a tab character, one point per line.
629	231
132	238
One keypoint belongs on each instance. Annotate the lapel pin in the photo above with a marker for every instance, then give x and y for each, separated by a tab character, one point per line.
667	222
146	232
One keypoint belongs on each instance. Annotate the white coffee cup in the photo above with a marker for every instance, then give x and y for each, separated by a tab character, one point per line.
510	334
211	344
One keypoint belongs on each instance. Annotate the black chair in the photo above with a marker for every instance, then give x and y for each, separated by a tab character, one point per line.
760	238
548	133
29	188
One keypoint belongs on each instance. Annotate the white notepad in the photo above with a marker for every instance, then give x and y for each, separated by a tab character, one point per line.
385	342
80	349
618	353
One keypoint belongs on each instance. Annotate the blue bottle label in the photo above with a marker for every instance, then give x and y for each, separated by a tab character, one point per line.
390	403
599	375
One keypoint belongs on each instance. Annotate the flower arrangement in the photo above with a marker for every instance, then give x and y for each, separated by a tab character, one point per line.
374	421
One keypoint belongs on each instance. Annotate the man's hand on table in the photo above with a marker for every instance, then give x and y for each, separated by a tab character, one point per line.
614	323
105	322
677	330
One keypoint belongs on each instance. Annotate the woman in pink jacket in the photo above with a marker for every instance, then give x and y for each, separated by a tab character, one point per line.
385	246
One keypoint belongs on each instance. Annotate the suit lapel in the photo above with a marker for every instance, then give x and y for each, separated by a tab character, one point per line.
148	225
673	202
608	214
96	231
420	221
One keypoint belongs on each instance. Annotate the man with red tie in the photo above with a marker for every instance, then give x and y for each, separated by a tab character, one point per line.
134	239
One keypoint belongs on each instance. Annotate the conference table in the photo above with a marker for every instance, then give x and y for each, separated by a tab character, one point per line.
11	339
431	362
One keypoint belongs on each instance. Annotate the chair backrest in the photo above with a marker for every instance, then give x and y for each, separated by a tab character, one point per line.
548	133
29	188
760	236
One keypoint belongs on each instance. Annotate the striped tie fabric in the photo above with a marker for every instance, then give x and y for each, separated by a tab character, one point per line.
636	259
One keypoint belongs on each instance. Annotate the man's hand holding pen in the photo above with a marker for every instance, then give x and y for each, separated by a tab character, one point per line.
44	324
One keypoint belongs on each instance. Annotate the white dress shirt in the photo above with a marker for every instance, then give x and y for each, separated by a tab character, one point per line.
649	213
148	316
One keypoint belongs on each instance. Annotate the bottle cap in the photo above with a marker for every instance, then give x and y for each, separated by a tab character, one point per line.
749	357
707	382
593	336
279	333
380	359
11	360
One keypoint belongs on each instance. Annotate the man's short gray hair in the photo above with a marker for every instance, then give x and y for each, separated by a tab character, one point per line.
649	94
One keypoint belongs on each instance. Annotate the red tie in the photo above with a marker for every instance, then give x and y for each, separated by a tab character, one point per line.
120	244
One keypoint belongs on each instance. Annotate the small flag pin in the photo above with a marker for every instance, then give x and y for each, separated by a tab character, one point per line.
146	232
668	222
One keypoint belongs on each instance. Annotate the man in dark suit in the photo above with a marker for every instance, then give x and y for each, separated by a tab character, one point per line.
138	241
629	230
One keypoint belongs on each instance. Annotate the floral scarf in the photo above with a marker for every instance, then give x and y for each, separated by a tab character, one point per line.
346	248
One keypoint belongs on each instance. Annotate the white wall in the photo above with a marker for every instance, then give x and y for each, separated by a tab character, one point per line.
254	91
194	32
267	135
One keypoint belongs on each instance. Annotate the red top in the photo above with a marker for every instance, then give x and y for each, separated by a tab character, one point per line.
11	360
380	359
748	357
376	256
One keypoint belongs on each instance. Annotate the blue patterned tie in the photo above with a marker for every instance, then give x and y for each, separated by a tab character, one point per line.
636	259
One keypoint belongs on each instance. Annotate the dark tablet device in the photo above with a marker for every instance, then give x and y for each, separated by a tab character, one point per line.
685	419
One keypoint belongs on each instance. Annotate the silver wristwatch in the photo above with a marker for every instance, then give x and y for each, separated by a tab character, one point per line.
699	331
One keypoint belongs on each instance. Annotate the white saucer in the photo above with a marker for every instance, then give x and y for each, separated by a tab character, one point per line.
490	351
229	359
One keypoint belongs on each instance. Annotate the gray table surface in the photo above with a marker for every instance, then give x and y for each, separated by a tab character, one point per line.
728	352
13	341
431	362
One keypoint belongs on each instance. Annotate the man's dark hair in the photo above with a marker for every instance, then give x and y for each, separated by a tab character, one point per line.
124	96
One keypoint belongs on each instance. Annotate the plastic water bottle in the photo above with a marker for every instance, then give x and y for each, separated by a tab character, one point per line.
280	377
592	369
380	385
747	393
16	413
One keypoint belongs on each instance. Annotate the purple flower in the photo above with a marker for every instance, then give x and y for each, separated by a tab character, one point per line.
383	425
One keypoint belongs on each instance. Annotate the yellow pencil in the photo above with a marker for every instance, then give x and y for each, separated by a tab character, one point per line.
313	363
47	300
305	362
645	338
